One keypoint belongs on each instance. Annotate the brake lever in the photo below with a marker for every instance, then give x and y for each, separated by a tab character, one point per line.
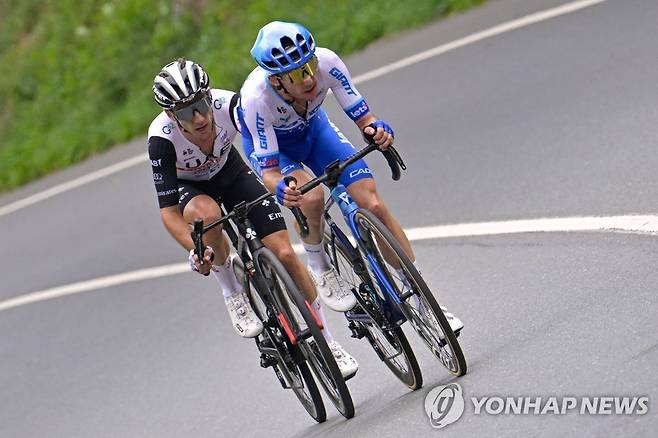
394	162
197	238
297	212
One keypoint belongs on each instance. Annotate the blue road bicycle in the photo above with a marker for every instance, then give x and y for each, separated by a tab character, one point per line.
388	288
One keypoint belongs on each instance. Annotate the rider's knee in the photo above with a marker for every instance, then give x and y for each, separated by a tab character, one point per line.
285	254
375	205
208	211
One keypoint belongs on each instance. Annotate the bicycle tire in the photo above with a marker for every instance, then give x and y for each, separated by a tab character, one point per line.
453	359
319	356
412	377
307	393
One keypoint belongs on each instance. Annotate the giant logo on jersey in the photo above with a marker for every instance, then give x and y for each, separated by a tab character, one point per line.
260	129
343	80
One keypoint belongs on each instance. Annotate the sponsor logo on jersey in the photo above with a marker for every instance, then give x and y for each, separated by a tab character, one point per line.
275	216
157	177
343	80
167	192
361	171
266	162
282	109
217	103
192	166
260	129
156	163
358	110
167	128
288	168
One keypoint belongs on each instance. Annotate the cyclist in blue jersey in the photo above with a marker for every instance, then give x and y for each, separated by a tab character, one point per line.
285	128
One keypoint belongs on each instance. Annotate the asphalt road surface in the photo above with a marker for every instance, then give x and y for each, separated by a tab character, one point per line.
555	119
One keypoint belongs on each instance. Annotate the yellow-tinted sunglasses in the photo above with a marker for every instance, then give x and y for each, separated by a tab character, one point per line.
309	69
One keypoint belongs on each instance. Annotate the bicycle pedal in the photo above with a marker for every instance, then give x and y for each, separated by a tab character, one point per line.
357	311
267	361
358	332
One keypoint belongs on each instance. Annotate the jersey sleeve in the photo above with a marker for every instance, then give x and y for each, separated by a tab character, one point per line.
258	120
163	164
232	110
342	85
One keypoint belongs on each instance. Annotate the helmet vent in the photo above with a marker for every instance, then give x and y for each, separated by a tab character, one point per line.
301	42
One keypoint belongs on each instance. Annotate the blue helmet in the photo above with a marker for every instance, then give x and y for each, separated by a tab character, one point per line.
281	47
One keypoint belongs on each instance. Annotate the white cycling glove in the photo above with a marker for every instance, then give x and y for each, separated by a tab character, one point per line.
194	260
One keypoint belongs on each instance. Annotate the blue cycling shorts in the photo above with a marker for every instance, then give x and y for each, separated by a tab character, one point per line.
320	144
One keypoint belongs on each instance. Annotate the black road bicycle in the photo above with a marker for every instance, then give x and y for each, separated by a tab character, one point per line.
292	340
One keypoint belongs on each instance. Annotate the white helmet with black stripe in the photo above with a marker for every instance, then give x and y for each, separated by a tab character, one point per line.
178	82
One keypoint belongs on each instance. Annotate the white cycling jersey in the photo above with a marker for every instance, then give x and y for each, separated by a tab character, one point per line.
191	163
272	121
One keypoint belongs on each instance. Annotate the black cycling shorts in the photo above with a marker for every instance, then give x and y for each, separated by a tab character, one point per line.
235	183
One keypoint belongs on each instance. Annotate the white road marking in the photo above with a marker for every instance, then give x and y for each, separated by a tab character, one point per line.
414	59
479	36
645	224
74	183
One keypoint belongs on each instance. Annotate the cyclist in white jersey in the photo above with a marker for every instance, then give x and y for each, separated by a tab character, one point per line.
195	168
284	127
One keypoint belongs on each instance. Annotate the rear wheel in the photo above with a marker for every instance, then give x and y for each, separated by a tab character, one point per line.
391	345
423	313
292	374
306	330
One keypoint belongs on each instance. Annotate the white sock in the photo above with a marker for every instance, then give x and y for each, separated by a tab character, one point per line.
317	307
318	260
226	278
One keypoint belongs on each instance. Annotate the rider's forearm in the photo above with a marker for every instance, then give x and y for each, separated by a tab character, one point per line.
176	226
365	121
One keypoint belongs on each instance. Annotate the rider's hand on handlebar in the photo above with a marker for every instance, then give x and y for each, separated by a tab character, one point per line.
381	133
288	195
208	257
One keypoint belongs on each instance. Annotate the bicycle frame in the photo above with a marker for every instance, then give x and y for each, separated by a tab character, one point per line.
390	300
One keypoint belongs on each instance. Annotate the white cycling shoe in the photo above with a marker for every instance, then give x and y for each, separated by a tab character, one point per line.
243	317
347	365
332	290
456	324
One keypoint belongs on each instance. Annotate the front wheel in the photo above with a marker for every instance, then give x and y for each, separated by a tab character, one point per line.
390	344
292	374
306	331
417	301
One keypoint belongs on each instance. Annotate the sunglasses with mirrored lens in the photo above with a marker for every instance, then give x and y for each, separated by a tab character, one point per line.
309	69
186	113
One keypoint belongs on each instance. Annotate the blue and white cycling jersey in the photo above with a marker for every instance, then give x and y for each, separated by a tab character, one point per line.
272	129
